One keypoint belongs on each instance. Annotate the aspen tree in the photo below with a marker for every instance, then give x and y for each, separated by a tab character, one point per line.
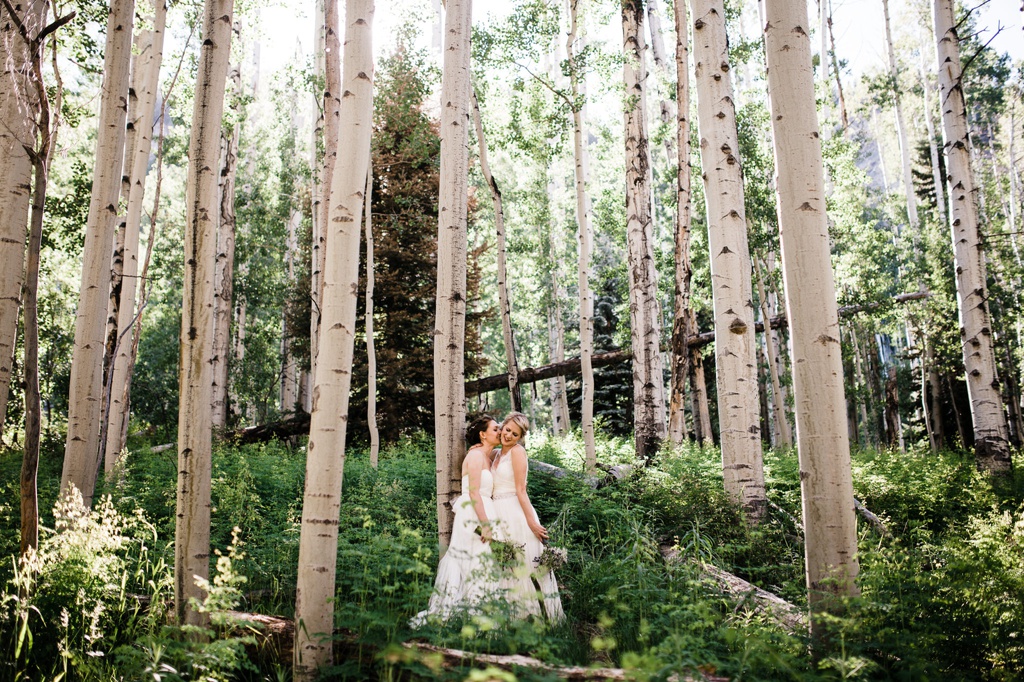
332	113
289	389
735	341
991	446
504	304
192	530
85	395
224	275
933	149
371	354
577	82
19	110
826	482
782	431
645	323
332	382
843	118
450	320
901	126
684	324
146	77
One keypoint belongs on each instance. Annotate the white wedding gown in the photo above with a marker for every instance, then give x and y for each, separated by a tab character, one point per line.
466	575
527	587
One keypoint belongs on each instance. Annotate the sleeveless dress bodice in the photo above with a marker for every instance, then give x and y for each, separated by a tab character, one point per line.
504	479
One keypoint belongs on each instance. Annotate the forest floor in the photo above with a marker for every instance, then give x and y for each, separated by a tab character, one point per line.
942	595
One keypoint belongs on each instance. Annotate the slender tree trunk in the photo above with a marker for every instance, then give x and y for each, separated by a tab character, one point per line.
371	354
289	367
645	322
683	326
666	107
929	418
332	113
19	108
991	449
735	341
781	424
830	525
835	68
26	34
450	321
192	530
325	462
503	300
556	339
574	44
147	74
901	127
225	275
85	396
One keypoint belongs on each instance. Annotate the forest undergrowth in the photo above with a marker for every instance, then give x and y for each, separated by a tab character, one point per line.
942	595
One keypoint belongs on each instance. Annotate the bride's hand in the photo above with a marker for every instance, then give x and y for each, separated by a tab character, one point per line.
540	531
485	533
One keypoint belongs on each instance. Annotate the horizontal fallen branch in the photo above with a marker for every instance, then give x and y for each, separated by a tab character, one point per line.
571	367
785	613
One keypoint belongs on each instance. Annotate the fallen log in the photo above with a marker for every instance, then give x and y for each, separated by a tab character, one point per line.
571	366
275	640
783	612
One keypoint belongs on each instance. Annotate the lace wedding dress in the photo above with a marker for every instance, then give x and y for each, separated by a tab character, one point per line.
529	589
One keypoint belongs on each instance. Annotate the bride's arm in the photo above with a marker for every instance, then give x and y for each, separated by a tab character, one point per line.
520	465
474	466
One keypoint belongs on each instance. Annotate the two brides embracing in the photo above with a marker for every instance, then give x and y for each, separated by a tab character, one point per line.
495	508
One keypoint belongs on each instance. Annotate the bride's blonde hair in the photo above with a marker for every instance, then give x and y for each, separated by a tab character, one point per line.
520	420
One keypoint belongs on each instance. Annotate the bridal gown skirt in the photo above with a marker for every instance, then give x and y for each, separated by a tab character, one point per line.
531	591
465	575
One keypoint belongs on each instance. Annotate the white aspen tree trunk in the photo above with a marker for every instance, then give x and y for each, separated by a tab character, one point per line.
317	190
147	66
901	127
450	320
735	340
192	530
649	422
224	276
332	113
238	343
504	303
556	330
85	396
784	436
18	112
1014	185
666	107
780	347
289	368
371	354
991	447
325	460
933	149
823	443
585	236
683	322
861	380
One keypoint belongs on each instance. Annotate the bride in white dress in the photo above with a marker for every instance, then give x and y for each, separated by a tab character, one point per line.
465	574
529	589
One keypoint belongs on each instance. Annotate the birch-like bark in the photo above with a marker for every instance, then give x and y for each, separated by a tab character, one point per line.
823	444
735	340
991	447
192	530
683	326
901	127
146	77
450	320
371	354
666	107
19	111
504	303
224	277
325	461
289	368
332	113
645	321
784	435
584	232
85	396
